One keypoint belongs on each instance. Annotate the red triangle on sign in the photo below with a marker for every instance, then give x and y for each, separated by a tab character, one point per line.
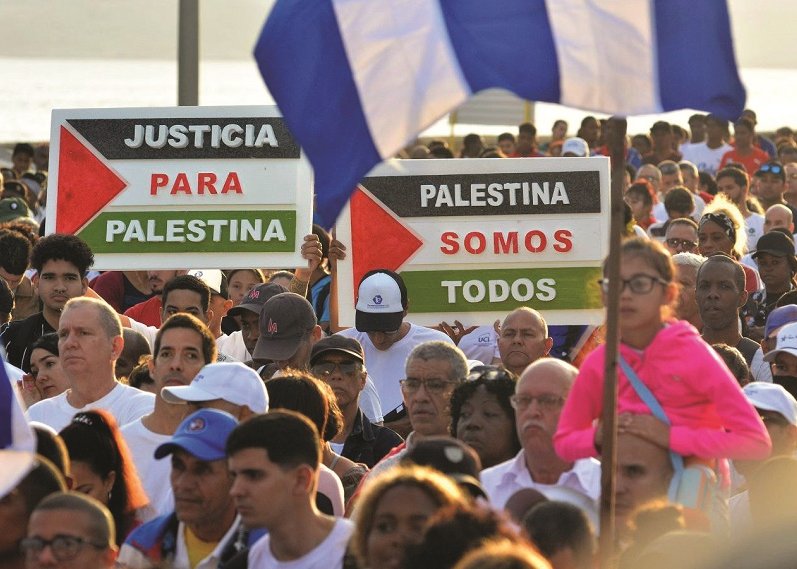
379	240
85	184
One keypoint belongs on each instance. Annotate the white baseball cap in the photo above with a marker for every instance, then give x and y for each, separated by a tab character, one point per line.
575	145
233	382
214	278
380	303
786	343
772	397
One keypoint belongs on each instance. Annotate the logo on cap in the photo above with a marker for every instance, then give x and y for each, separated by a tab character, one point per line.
254	293
378	299
196	424
272	326
198	274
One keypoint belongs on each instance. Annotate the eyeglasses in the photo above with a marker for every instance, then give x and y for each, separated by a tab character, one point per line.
411	385
639	284
325	369
488	373
64	547
773	168
546	402
684	244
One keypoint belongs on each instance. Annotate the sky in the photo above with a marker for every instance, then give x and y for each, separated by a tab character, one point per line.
146	29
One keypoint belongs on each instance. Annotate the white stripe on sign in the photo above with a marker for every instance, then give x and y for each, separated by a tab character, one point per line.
611	45
403	64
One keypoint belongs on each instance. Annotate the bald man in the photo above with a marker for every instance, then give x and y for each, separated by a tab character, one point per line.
523	339
539	396
778	215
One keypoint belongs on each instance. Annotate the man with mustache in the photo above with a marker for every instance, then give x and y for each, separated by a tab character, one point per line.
61	263
539	396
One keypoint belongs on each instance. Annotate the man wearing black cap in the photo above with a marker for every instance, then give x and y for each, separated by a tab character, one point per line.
777	266
340	363
387	340
248	312
288	329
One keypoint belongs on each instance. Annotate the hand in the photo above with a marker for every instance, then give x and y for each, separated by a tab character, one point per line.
337	251
311	251
645	427
455	332
28	391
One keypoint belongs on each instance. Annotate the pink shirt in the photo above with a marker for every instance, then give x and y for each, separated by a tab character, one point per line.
710	416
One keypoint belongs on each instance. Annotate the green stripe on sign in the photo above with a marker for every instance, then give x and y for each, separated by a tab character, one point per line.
573	288
199	232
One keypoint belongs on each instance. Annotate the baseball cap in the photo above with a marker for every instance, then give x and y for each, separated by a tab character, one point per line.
202	434
13	208
575	145
772	397
775	243
284	320
380	303
780	317
233	382
449	456
786	343
337	343
214	278
257	297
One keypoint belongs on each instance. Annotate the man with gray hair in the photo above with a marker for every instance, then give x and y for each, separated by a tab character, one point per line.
539	396
686	267
432	372
89	342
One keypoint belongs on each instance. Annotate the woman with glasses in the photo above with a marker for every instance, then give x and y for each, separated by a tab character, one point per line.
482	415
103	468
707	415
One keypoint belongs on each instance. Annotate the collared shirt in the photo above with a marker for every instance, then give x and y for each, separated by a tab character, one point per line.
368	443
502	481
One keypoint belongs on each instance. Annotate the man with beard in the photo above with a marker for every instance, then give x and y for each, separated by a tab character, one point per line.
523	339
720	294
182	346
538	400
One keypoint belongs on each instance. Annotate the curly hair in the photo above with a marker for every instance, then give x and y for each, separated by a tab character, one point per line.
441	489
62	247
15	251
94	439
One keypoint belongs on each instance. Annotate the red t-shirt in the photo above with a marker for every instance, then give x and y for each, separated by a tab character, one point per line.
147	312
751	161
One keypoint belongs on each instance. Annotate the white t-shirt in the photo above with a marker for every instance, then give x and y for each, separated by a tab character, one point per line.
754	229
233	346
706	159
387	367
154	474
660	212
327	555
125	403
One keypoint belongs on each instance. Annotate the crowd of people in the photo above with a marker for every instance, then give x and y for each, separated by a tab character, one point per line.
204	418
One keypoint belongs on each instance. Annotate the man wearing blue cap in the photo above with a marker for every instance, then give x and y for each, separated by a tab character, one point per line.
204	529
760	370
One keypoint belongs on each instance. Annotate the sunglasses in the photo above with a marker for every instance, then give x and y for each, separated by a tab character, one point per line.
770	169
684	244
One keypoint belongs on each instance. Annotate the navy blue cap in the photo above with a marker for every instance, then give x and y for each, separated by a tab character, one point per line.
202	434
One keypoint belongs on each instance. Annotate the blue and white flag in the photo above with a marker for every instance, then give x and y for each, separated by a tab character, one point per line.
17	441
357	80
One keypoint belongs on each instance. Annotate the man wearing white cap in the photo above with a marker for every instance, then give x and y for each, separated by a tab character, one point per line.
387	340
778	409
182	346
575	147
229	386
784	358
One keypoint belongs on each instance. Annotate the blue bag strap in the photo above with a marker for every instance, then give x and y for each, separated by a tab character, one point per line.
655	407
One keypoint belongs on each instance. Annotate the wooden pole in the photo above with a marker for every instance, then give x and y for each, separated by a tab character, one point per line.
616	142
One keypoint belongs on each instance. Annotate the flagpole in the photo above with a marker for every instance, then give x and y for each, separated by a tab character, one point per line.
616	143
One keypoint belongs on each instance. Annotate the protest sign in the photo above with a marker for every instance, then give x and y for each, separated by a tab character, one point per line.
476	238
164	188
